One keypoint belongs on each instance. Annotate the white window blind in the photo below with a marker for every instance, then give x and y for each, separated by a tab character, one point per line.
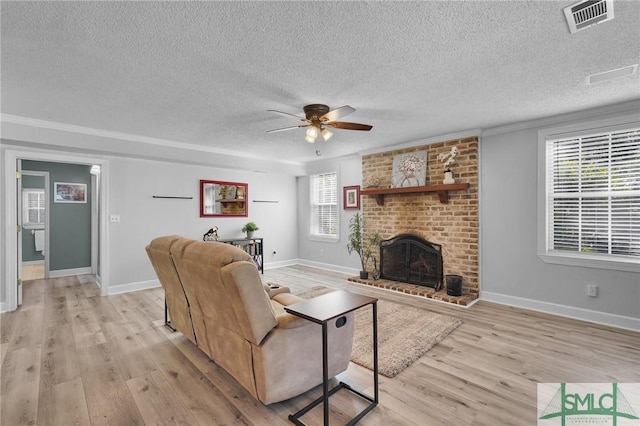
33	206
593	194
324	205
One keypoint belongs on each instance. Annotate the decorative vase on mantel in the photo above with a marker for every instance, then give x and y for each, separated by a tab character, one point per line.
448	178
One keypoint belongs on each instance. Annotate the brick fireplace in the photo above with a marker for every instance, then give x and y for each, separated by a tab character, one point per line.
452	225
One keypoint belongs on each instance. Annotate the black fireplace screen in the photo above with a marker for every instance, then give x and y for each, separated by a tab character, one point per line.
411	259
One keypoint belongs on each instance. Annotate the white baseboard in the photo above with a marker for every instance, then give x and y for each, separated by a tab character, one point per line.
68	272
126	288
33	262
603	318
329	267
280	264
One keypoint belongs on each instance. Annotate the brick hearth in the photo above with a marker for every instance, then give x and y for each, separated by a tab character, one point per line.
418	290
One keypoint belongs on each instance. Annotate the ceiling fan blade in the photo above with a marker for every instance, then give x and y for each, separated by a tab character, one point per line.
287	128
337	113
349	126
290	115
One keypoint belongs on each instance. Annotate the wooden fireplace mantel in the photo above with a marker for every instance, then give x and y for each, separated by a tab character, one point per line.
442	190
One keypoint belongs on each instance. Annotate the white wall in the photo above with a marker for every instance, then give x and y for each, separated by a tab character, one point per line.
511	271
142	218
332	255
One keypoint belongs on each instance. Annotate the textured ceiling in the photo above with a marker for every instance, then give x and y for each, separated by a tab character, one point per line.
205	73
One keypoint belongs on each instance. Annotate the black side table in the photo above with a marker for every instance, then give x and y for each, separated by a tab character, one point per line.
321	310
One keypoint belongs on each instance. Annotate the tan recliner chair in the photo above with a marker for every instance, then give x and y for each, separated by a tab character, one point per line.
273	354
159	252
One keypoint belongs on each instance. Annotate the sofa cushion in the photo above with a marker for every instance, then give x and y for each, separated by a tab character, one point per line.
250	302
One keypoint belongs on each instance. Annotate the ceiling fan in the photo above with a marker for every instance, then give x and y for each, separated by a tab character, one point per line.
318	117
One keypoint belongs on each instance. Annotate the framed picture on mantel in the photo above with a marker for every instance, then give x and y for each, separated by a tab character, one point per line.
351	197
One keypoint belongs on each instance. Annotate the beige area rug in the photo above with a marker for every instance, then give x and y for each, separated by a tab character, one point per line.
405	333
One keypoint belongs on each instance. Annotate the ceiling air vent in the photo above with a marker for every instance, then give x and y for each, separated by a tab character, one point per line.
586	13
613	74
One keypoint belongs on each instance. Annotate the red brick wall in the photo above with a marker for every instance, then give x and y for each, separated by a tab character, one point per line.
453	225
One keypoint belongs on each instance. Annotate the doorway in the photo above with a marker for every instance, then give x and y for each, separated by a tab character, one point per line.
12	256
34	216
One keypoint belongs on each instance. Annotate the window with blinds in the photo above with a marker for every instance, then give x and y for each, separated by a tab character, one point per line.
33	207
324	205
593	194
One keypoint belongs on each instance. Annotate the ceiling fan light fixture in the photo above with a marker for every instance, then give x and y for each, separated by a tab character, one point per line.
326	134
312	132
317	116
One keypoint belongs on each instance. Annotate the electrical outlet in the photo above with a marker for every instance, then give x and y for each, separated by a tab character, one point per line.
114	218
592	290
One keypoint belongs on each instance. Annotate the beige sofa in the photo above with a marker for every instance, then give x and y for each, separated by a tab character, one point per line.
216	298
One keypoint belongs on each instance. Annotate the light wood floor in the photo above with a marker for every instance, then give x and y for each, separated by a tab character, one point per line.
33	271
70	356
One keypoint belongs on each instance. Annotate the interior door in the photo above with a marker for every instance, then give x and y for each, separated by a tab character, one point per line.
19	230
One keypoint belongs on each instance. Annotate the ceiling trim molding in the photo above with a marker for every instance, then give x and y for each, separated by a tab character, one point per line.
424	141
625	107
71	128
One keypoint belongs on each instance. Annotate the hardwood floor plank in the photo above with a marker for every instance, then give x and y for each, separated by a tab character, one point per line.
56	310
138	310
109	401
27	328
104	310
21	375
68	405
153	396
33	291
6	333
83	318
59	363
128	354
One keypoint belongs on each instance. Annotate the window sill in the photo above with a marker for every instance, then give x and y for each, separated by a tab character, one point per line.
613	263
324	239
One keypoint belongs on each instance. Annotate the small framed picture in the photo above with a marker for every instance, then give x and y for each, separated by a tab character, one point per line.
351	197
66	192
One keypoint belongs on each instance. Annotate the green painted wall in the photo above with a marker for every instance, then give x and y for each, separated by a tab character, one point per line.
29	253
69	223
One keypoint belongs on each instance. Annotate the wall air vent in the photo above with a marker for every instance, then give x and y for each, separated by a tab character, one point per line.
586	13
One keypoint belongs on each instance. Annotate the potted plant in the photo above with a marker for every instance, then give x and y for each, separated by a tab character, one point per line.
361	245
249	228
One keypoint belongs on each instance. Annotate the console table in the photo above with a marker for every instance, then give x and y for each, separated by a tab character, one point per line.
253	246
321	310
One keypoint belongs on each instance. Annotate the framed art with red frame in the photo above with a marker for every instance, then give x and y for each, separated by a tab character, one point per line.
351	197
